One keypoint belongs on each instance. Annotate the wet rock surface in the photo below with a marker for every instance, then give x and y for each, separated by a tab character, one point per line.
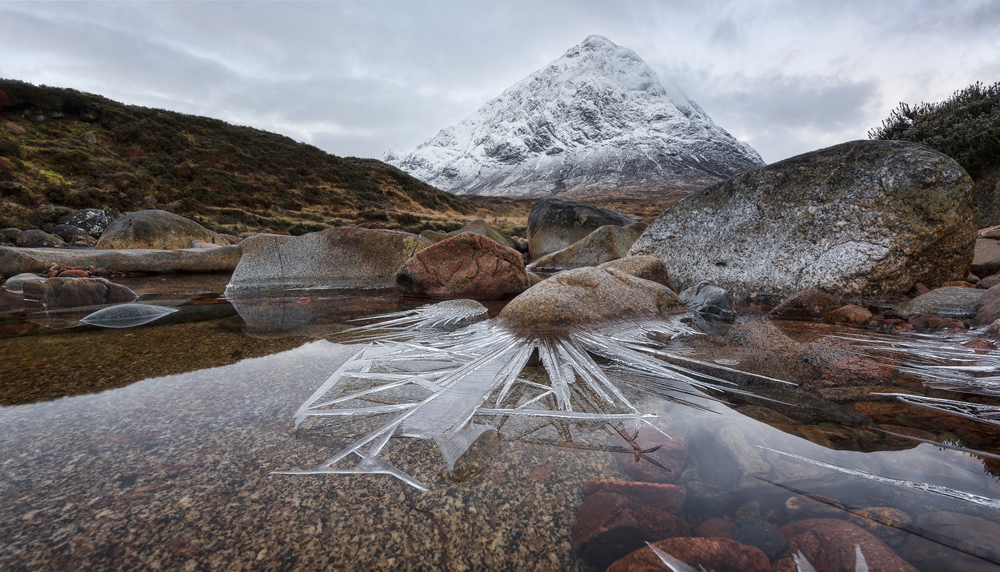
830	545
865	218
949	302
808	304
467	265
73	292
156	230
554	224
718	554
605	244
665	497
610	526
850	314
662	465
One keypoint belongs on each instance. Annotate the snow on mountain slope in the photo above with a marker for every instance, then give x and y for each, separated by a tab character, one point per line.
596	120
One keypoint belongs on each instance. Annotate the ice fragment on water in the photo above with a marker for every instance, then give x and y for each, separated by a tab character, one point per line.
916	485
127	315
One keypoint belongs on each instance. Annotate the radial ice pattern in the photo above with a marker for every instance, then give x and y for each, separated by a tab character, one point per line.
597	119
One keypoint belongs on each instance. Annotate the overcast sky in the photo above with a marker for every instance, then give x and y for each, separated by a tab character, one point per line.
358	78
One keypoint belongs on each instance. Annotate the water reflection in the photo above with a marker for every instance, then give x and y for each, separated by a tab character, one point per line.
173	468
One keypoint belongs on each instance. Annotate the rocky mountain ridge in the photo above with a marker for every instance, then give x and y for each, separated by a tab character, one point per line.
595	120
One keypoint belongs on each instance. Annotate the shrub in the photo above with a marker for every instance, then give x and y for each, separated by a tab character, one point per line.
965	126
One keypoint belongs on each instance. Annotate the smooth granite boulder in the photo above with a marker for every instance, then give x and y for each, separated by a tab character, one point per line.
341	257
589	295
865	218
830	544
155	229
468	265
554	224
605	244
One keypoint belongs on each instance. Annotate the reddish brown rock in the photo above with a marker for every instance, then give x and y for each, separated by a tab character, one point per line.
958	283
974	538
465	266
610	526
853	371
989	309
849	314
829	544
806	304
718	554
716	528
663	465
15	128
72	292
981	344
74	274
919	289
669	498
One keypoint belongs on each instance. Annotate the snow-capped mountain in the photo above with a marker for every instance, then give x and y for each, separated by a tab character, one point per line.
595	120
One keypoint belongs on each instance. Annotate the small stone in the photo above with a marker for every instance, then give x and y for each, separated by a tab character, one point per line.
988	282
801	507
854	370
849	314
15	128
709	301
957	284
669	498
89	137
884	522
716	528
663	465
73	292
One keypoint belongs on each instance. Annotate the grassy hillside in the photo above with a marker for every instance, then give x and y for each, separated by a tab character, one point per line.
230	178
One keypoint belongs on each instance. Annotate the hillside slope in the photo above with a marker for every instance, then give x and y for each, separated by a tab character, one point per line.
230	178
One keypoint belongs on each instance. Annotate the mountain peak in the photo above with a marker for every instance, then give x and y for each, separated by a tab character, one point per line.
596	119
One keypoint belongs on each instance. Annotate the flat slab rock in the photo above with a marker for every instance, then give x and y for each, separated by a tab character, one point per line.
340	257
865	218
15	261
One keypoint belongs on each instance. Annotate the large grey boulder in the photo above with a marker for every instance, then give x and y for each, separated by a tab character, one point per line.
155	229
554	224
605	244
341	257
865	218
92	221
